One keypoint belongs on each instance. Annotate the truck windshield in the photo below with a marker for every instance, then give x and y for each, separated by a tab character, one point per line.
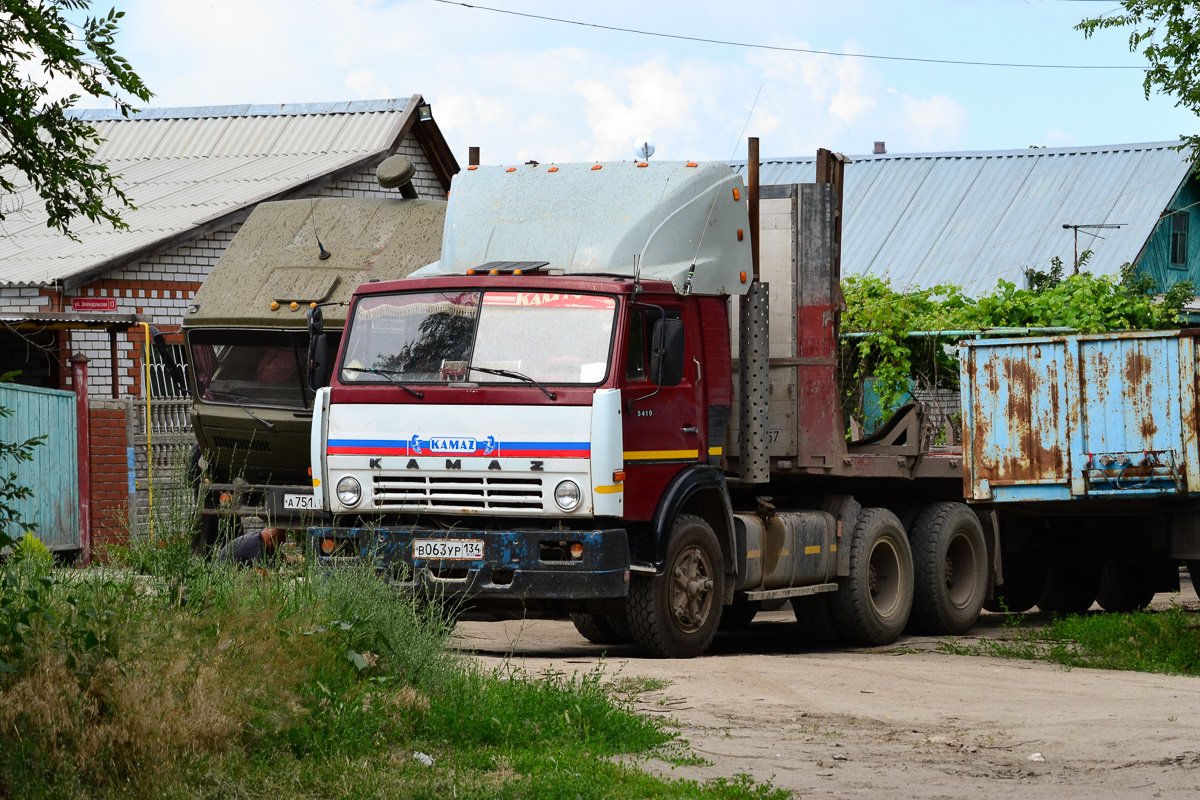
441	337
250	367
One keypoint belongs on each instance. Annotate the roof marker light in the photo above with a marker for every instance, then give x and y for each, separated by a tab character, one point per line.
274	306
552	169
518	272
473	166
511	169
312	305
597	166
470	272
737	195
692	164
493	272
644	164
294	305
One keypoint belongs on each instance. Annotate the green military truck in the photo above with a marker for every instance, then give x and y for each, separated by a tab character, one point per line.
248	347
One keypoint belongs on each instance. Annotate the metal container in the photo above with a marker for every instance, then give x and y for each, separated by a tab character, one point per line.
1069	417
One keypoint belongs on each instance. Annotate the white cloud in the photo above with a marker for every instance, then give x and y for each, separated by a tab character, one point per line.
934	123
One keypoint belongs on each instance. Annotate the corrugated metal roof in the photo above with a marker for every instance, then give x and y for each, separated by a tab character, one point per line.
183	167
971	218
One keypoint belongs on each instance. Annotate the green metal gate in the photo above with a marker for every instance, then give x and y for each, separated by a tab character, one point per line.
54	472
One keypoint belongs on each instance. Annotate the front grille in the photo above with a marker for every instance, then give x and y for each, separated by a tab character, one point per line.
427	492
242	445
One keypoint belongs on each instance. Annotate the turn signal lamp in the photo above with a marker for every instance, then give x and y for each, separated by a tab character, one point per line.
743	277
274	306
619	476
327	546
576	550
737	195
740	234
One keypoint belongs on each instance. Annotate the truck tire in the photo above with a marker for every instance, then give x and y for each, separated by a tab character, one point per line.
1070	588
675	615
602	628
1126	587
1024	582
950	569
738	615
814	620
872	604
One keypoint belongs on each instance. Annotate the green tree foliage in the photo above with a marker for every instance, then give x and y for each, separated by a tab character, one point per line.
38	139
1167	33
1084	303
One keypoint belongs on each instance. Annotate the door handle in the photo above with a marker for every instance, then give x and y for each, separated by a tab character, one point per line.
690	429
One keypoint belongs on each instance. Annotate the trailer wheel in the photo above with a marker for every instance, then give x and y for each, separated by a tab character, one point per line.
738	615
602	628
872	604
675	615
1070	588
814	619
950	566
1126	587
1024	582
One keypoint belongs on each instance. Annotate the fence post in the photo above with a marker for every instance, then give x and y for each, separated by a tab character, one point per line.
83	449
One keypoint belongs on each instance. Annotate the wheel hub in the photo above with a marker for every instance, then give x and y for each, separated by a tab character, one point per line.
691	590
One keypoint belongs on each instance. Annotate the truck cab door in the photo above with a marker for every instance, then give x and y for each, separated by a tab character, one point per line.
665	423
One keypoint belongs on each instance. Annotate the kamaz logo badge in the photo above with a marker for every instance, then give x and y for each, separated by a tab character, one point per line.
451	445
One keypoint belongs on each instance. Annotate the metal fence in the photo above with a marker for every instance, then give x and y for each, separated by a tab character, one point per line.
162	446
53	473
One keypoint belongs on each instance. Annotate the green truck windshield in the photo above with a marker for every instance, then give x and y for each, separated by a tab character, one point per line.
441	337
250	367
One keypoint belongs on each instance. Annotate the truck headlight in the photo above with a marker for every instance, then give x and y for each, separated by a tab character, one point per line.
349	491
566	494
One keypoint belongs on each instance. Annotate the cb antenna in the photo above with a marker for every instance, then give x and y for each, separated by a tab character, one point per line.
322	253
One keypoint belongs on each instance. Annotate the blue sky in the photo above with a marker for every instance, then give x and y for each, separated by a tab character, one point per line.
522	88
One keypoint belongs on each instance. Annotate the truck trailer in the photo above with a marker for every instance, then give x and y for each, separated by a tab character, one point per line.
247	339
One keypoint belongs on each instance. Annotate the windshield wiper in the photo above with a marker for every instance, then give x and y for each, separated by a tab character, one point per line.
387	373
508	373
234	397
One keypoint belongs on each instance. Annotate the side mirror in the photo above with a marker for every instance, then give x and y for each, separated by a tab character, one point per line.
318	350
666	352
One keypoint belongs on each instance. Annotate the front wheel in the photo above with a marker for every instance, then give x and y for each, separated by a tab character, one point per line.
872	604
675	615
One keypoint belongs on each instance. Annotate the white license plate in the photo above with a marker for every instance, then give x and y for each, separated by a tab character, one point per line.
299	501
449	549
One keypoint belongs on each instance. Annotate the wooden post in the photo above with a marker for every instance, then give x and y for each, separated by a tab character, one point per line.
83	448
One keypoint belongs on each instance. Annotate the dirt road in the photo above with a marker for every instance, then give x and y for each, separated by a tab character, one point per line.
904	721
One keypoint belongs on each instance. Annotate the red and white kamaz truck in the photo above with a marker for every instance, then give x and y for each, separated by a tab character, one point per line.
594	404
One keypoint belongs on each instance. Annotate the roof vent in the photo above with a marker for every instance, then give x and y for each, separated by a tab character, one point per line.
397	172
881	148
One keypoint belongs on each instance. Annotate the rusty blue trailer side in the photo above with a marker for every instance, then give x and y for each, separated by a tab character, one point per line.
1059	418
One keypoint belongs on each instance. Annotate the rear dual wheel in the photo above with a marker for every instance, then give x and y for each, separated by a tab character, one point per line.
950	564
602	628
873	603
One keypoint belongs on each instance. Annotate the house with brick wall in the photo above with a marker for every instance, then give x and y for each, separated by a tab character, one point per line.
194	175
